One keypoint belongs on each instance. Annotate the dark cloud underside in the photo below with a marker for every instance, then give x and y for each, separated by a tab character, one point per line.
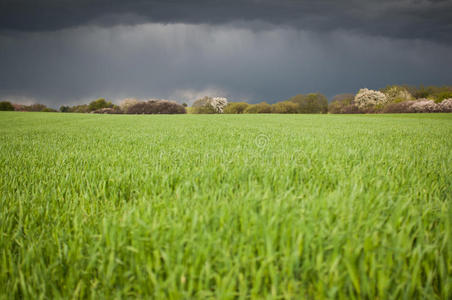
414	19
178	61
71	51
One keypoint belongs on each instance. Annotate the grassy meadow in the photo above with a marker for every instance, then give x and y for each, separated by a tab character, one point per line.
225	206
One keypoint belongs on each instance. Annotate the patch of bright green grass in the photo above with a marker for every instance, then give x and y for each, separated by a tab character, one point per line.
225	206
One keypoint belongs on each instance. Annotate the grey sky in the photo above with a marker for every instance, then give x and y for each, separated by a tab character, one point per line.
69	52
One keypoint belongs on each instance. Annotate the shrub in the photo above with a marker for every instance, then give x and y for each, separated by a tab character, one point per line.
398	107
397	93
366	99
6	106
351	109
83	108
259	108
341	103
168	107
284	107
98	104
209	105
446	105
431	92
346	98
64	108
313	103
419	106
126	103
421	91
236	107
34	107
219	103
48	109
442	96
338	107
424	106
202	106
138	108
18	107
108	110
156	107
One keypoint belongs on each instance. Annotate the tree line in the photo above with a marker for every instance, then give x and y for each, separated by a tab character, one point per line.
392	99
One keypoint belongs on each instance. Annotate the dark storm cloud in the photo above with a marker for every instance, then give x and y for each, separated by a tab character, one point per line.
67	52
411	19
185	62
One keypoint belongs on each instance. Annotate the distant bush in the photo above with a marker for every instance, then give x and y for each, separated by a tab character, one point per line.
446	105
313	103
6	106
48	109
436	93
398	107
156	107
425	106
83	108
98	104
34	107
397	93
108	110
209	105
340	104
259	108
284	107
168	107
346	98
236	107
18	107
202	106
351	109
219	103
126	103
442	96
419	92
419	106
64	108
366	99
138	108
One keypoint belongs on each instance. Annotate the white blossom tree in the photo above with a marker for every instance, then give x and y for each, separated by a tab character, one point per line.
424	106
210	105
367	98
218	104
446	105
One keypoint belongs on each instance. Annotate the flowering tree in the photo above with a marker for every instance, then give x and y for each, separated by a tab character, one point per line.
397	93
419	106
218	104
424	106
98	104
210	105
367	98
127	103
446	105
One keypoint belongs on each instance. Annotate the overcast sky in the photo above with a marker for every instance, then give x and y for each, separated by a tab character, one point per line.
73	51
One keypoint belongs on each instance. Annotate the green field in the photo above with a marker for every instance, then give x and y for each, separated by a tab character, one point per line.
225	206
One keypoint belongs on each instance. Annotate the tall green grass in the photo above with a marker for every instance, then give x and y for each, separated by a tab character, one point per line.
225	206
